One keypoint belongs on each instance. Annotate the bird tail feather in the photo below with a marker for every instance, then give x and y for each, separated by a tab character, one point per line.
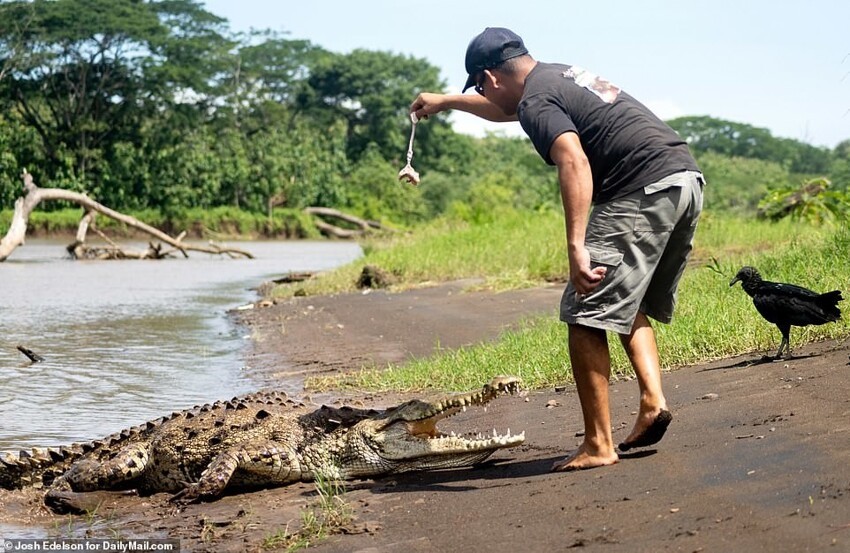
829	304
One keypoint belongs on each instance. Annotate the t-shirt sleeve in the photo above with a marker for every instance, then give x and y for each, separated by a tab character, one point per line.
543	119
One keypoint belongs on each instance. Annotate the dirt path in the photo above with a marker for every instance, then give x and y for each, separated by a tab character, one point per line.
757	458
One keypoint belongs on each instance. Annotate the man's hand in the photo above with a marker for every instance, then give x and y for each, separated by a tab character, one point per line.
584	279
427	103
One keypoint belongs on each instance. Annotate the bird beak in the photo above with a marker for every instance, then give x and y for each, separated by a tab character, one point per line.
734	280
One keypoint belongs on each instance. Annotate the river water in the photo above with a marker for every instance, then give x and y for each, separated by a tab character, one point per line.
128	341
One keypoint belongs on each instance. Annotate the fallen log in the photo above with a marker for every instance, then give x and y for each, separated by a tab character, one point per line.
335	231
31	355
35	195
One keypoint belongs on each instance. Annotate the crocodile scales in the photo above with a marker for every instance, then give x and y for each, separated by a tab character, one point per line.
264	439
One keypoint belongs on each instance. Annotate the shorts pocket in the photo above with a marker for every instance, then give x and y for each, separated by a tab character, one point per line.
608	257
658	210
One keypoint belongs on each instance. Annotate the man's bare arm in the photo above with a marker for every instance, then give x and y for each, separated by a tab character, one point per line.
576	181
428	103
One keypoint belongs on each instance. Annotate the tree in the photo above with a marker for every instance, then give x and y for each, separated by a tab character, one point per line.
738	184
371	92
814	201
86	72
270	68
839	173
707	134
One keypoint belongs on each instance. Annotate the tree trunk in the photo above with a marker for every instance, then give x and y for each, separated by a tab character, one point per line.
338	232
34	195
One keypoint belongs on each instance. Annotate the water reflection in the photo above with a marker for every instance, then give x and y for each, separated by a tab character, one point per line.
127	341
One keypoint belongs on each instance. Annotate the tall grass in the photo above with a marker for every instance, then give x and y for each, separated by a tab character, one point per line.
522	250
519	250
712	319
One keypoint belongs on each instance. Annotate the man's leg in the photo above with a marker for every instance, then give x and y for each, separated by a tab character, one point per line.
591	364
642	350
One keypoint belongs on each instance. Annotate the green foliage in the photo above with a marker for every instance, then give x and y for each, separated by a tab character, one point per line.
519	249
373	191
815	201
76	74
487	201
737	184
839	173
56	221
518	167
216	223
370	92
157	105
707	134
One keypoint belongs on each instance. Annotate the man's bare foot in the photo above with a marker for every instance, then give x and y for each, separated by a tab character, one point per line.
648	430
581	460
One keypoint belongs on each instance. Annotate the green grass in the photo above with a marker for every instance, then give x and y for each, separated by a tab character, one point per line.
712	320
728	237
520	250
328	516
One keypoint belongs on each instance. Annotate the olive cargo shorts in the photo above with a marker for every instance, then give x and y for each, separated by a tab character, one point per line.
644	240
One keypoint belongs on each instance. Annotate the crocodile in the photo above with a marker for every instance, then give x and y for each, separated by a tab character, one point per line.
265	439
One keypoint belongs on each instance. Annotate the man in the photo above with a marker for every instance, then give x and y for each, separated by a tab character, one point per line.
626	256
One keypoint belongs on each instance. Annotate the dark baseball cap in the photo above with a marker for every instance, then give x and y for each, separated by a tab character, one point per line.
490	48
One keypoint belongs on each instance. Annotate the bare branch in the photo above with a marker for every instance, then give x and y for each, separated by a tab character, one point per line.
339	232
24	206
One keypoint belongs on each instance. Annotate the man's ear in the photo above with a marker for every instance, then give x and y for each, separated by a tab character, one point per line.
494	79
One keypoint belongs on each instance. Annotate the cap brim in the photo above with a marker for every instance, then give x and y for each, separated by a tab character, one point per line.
470	82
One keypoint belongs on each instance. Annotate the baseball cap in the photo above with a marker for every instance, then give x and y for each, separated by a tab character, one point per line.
490	48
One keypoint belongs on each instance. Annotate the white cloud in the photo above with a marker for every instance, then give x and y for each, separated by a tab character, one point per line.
664	109
466	123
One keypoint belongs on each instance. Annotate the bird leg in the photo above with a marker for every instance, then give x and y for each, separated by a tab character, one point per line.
785	343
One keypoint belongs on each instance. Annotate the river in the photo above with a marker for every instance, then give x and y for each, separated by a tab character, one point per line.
128	341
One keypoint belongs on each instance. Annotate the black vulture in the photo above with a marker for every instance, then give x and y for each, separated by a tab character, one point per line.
787	305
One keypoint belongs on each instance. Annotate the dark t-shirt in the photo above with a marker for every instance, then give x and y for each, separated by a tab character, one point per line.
627	145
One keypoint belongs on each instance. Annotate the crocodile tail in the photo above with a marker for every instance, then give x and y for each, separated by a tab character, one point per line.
36	467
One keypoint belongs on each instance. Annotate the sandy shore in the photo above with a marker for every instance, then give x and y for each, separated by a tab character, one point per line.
757	458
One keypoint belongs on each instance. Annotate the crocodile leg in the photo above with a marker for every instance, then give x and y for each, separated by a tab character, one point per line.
89	474
265	464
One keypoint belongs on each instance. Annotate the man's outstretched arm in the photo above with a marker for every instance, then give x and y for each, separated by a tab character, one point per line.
428	103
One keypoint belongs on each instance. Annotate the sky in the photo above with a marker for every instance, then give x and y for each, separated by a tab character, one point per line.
777	64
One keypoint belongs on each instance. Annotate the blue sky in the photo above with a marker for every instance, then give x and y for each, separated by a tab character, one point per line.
776	64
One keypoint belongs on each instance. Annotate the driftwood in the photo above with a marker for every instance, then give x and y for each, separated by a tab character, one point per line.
293	277
31	355
338	232
34	195
786	205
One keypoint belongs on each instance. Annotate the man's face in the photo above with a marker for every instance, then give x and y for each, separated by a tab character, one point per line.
497	87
